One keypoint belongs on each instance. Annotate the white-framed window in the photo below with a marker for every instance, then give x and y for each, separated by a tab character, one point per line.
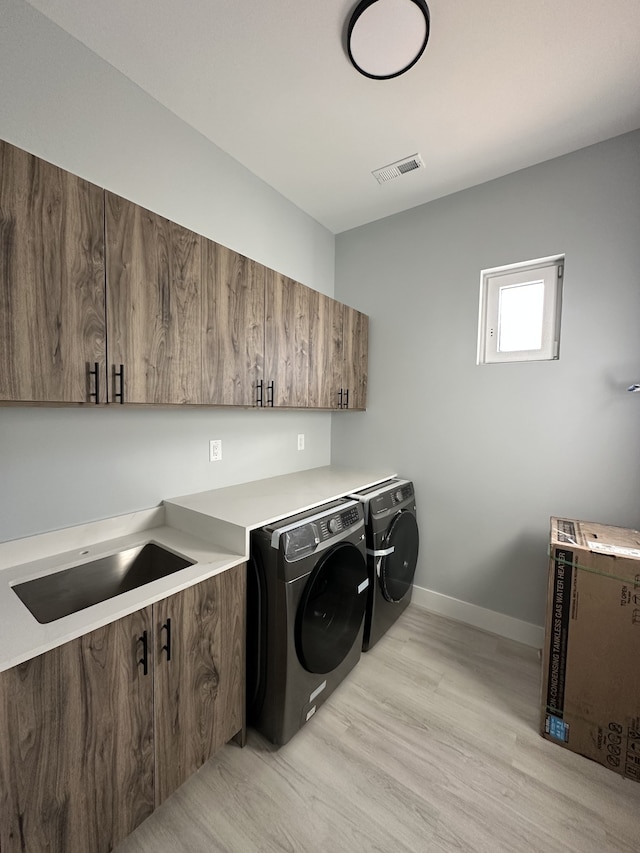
520	311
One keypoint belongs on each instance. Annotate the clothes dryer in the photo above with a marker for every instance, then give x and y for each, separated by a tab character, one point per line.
307	595
392	553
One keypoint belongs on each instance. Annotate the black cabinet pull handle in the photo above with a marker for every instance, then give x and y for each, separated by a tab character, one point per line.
144	660
346	405
270	393
340	398
119	374
259	390
95	394
167	647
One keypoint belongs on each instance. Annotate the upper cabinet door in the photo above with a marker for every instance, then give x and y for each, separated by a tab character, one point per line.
325	351
286	345
233	347
154	306
52	327
355	329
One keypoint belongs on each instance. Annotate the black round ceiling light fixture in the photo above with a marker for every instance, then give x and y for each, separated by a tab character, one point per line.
387	37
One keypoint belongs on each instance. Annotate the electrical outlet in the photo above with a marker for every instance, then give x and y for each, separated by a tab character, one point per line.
300	441
215	450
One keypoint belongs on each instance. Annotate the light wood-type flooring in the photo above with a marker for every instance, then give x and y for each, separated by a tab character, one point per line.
431	744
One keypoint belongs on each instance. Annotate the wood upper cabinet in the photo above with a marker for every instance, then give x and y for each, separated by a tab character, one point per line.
325	351
154	306
233	308
313	348
286	345
102	301
338	355
355	333
199	675
76	743
52	324
90	742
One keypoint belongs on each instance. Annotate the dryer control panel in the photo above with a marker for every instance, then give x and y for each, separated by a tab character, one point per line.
399	493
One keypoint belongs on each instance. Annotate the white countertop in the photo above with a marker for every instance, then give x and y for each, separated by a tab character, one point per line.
23	637
236	510
210	529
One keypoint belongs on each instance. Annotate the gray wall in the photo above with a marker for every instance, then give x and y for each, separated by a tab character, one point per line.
495	450
66	466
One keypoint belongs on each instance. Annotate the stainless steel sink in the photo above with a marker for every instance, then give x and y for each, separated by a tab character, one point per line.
61	593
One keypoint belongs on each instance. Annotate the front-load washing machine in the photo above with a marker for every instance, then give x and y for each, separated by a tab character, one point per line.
306	598
392	553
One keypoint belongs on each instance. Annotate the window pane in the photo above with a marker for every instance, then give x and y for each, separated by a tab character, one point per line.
520	316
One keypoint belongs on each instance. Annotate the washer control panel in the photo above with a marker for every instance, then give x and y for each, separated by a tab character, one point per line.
301	538
338	523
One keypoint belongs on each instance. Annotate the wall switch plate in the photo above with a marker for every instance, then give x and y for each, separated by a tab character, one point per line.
215	450
300	441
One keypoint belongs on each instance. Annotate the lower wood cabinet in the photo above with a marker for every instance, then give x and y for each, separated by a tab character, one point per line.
199	676
76	744
90	744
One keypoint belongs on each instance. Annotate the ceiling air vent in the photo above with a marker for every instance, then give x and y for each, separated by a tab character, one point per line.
387	173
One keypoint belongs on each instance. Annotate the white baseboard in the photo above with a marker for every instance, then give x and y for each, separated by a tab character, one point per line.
479	617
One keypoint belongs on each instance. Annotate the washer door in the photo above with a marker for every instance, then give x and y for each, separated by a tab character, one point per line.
332	609
396	570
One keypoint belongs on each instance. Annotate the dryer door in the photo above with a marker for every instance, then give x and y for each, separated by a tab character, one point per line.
332	608
396	570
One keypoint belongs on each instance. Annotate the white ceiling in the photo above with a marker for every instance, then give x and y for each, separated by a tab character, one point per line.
503	84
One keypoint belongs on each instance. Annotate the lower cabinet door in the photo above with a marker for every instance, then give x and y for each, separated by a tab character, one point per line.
199	675
97	732
76	743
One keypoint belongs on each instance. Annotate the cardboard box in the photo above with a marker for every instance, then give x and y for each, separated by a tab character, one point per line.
591	657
